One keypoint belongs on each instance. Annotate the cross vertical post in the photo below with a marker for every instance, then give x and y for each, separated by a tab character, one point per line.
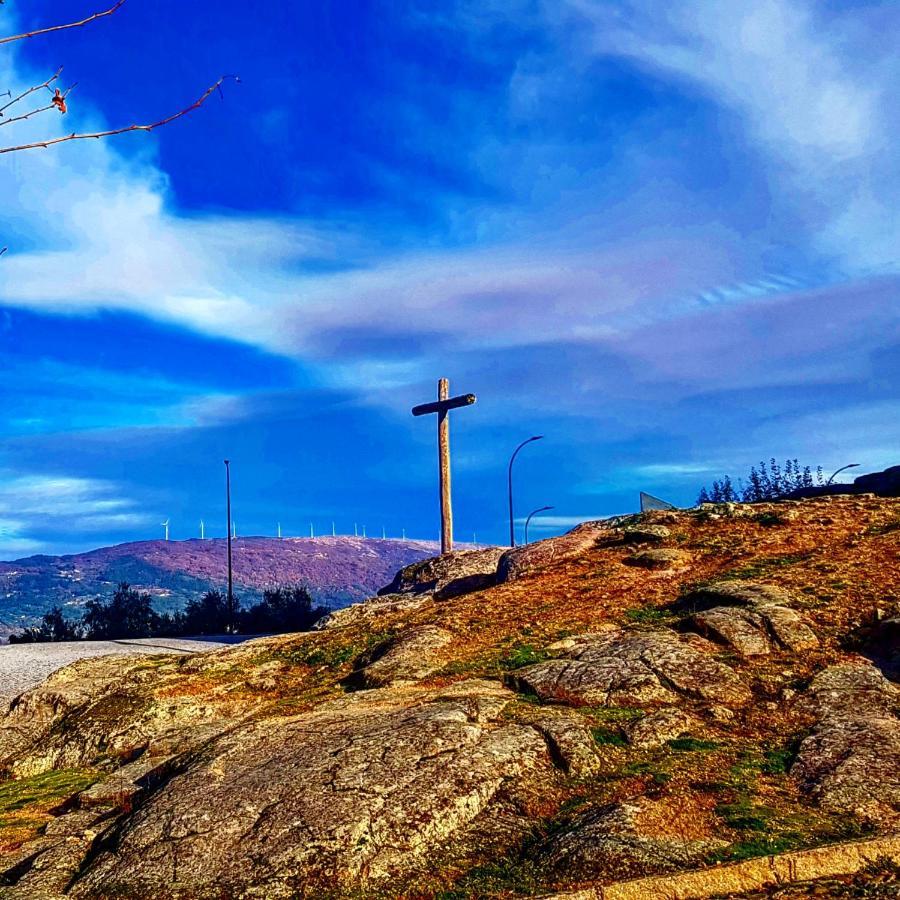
444	469
443	406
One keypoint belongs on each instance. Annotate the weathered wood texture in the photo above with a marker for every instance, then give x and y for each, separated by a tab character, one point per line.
444	468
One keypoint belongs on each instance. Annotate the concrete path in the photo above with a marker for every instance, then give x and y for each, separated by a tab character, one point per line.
24	665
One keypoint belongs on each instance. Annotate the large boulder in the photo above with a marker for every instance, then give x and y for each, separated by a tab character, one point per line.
410	656
884	484
625	840
350	798
521	562
633	668
851	760
449	575
756	632
735	593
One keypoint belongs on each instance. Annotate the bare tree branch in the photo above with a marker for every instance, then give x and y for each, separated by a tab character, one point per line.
88	20
3	250
101	134
31	90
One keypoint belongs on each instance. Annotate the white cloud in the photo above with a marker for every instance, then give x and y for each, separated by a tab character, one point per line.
818	92
44	504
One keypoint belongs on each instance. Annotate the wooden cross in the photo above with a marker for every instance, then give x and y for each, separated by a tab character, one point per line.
443	406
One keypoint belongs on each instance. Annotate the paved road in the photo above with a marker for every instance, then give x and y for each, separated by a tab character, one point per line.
24	665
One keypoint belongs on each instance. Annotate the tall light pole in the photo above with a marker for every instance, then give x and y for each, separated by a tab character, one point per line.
841	469
512	459
228	531
534	512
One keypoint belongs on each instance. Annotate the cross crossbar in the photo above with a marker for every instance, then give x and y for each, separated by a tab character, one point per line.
443	405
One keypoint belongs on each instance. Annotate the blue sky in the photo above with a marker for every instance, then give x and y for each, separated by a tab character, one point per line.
664	236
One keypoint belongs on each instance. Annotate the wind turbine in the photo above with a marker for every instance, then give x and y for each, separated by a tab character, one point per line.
383	533
202	530
233	530
279	530
355	530
333	532
403	532
311	532
166	526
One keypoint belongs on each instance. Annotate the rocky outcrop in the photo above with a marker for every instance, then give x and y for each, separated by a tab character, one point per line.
638	837
735	593
409	656
449	575
371	610
629	668
646	534
851	761
884	484
756	632
354	795
521	562
657	728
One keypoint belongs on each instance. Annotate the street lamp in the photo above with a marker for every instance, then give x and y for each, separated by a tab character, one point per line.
512	459
534	512
841	469
228	532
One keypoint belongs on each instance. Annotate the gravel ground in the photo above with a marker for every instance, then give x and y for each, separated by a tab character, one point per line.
24	665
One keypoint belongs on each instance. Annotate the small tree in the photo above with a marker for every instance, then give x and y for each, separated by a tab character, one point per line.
129	614
207	615
282	609
54	627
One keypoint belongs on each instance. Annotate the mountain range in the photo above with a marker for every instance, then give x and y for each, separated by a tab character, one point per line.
337	571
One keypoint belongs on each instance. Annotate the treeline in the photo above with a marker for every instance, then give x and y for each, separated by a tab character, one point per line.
129	613
769	481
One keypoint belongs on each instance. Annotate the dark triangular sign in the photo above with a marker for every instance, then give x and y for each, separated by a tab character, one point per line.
648	501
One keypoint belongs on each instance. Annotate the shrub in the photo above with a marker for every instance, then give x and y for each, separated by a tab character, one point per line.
54	627
768	482
128	614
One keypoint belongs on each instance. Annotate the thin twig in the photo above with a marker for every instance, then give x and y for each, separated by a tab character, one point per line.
27	115
101	134
3	250
31	90
88	20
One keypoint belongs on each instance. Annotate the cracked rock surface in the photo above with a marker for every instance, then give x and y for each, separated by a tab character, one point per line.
851	761
630	839
523	561
382	786
410	656
449	575
622	668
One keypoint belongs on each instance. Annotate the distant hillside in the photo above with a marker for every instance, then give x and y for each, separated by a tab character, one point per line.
337	571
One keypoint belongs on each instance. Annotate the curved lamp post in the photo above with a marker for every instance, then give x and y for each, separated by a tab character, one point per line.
841	469
534	512
512	459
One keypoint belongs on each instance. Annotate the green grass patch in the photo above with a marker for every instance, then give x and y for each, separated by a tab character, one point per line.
43	791
522	655
608	737
882	528
648	615
760	567
692	744
761	845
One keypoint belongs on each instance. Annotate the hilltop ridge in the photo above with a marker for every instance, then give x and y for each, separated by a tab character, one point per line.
338	570
709	695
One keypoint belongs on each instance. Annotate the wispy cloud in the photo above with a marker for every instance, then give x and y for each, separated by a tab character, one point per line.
33	505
